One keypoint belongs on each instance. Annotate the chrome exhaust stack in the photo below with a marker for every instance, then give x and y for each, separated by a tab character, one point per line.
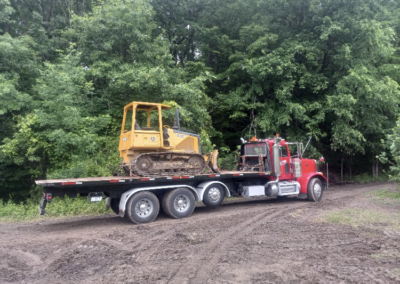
271	187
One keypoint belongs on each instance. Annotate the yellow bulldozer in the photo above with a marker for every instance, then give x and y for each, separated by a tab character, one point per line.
155	149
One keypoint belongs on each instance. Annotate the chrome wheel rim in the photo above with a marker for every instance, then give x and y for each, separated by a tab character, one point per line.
317	190
181	203
214	194
144	207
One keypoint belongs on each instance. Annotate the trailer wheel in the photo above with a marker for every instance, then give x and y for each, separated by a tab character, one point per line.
143	207
314	190
179	203
214	195
114	204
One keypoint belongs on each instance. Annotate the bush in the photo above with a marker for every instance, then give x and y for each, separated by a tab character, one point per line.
365	178
228	160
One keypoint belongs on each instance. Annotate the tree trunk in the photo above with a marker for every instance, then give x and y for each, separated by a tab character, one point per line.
351	161
47	9
6	28
341	168
327	173
373	169
373	166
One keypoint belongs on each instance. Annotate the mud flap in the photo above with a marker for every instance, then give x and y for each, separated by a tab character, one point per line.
42	206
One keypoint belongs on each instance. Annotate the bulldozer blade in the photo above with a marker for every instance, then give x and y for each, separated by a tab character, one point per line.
213	161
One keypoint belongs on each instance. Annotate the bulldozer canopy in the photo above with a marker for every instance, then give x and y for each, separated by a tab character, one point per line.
146	106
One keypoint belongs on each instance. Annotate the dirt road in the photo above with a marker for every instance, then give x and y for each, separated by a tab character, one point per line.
255	241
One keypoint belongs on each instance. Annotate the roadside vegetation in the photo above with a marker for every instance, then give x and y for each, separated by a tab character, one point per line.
235	69
386	195
326	69
365	178
59	207
384	211
363	217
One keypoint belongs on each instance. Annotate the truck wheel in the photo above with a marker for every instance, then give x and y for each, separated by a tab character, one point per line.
114	204
213	196
178	203
314	190
143	207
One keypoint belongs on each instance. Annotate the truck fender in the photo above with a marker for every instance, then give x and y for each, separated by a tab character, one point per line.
202	187
305	179
127	194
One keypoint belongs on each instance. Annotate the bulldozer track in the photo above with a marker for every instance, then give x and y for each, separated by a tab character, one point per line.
166	167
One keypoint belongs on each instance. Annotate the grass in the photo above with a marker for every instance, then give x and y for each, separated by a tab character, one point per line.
378	256
59	207
367	217
385	254
363	178
386	194
395	271
297	213
362	217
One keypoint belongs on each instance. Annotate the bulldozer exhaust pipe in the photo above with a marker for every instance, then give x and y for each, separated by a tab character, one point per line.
177	125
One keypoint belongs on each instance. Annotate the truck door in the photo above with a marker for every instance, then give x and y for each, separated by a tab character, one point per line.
285	162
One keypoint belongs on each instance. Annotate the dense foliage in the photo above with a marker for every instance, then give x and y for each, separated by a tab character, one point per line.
328	69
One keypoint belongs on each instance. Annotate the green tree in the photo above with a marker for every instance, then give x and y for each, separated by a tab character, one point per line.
127	63
301	68
60	127
19	68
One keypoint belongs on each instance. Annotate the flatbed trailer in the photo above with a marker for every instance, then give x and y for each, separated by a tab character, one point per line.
265	168
139	199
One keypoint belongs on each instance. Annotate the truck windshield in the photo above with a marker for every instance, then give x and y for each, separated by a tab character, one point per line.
255	150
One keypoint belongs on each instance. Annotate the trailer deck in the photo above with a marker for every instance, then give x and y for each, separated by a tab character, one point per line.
96	181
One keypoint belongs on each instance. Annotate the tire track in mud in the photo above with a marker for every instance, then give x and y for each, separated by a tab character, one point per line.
143	249
161	251
219	244
147	249
392	234
28	258
151	247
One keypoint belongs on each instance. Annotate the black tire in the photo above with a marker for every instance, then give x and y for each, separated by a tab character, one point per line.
142	207
160	199
114	204
179	203
314	190
214	195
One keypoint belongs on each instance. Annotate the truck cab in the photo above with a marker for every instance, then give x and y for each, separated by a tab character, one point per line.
290	174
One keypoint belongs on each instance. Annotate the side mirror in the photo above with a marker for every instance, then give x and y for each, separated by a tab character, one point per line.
299	150
277	162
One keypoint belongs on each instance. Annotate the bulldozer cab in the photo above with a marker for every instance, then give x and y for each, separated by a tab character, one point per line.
142	126
148	147
143	131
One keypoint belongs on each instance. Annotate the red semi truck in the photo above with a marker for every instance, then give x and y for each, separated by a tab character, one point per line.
266	167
